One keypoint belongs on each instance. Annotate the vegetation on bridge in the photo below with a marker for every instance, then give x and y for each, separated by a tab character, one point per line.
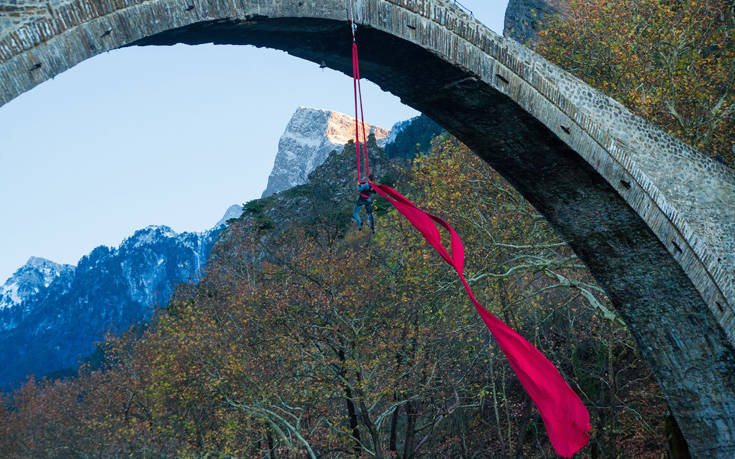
670	61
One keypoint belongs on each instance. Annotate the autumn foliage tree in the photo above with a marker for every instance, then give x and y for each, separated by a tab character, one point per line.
670	61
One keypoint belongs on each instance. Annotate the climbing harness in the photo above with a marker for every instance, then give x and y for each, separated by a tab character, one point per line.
565	416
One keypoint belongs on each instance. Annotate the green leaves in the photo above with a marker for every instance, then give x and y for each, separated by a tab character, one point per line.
672	62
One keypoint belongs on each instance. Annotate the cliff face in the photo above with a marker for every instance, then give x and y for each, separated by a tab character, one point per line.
328	194
309	138
523	18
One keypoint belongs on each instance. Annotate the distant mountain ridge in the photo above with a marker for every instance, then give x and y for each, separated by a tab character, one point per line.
310	136
53	314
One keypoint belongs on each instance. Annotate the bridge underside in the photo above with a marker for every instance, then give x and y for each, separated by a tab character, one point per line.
683	344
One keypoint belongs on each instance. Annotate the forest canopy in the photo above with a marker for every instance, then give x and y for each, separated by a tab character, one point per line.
339	343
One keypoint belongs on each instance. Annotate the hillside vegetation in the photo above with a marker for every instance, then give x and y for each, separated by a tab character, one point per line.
309	338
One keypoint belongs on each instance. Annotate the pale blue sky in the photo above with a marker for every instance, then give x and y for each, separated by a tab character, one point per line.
157	135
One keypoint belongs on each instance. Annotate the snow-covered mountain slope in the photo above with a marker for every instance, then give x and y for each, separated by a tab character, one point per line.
397	129
31	278
307	141
54	313
412	137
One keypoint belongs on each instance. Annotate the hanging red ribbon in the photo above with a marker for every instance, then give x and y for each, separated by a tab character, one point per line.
565	416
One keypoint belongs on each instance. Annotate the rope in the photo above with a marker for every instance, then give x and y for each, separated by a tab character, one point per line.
357	125
357	89
362	115
353	26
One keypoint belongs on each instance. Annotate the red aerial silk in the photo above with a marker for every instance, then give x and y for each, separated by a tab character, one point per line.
567	420
565	416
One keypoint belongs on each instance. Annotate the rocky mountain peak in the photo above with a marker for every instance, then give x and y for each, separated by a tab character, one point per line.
148	235
36	274
397	128
310	136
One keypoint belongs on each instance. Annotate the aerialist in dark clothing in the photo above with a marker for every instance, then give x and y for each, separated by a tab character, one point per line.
365	199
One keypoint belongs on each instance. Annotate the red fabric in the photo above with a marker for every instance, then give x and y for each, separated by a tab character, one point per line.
565	416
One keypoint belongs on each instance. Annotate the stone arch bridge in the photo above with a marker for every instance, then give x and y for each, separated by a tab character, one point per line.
652	218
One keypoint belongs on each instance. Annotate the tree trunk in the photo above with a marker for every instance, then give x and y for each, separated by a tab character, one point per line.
373	431
351	412
410	431
393	426
271	446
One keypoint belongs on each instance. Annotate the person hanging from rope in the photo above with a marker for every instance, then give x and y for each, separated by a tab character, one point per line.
365	199
363	188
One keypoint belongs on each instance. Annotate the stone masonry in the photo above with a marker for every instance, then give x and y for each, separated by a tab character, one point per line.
652	218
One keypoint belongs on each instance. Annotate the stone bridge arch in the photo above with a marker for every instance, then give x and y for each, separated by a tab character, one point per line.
652	218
